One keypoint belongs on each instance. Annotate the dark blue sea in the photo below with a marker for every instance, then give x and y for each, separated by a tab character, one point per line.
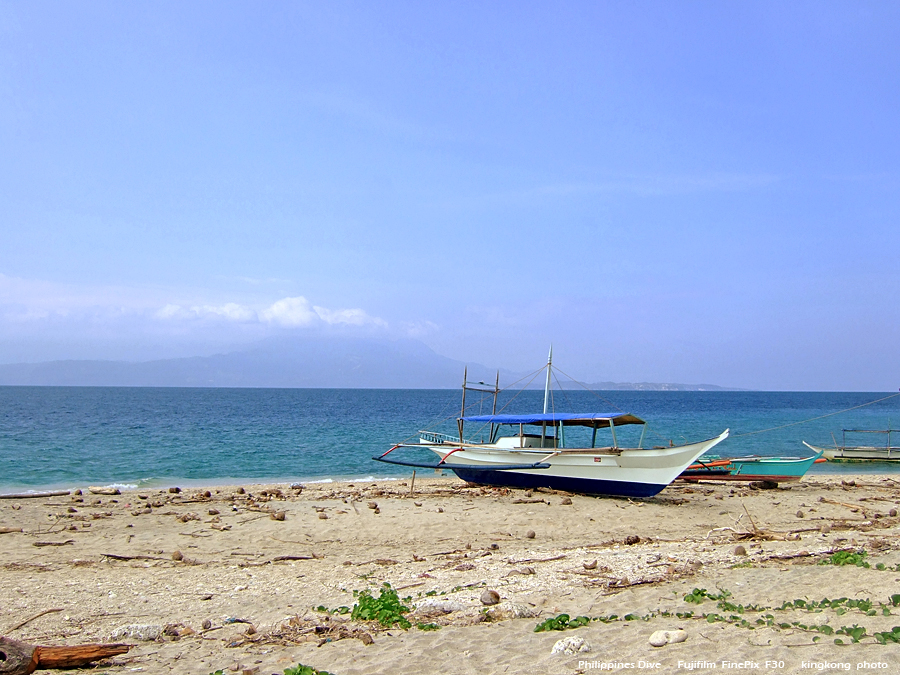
77	436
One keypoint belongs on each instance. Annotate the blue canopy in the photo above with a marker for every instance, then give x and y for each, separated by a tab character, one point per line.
567	419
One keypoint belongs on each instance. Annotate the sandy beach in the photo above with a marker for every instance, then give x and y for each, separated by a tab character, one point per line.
230	577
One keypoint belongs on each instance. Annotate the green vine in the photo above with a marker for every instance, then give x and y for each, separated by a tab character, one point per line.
855	633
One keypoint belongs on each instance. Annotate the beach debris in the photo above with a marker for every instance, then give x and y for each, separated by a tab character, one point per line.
174	490
32	618
590	565
511	610
279	515
138	631
9	530
529	534
437	606
524	570
40	544
187	517
740	550
214	512
440	510
571	646
661	638
37	495
372	505
892	513
21	658
800	514
632	539
566	501
177	555
95	490
240	491
490	597
207	624
323	515
417	503
464	567
763	485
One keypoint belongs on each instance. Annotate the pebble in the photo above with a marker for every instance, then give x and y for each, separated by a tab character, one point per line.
279	515
566	501
892	513
799	514
490	597
740	550
529	534
174	490
664	637
207	624
322	516
632	539
571	646
177	555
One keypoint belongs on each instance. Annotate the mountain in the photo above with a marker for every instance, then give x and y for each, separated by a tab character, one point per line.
339	362
333	361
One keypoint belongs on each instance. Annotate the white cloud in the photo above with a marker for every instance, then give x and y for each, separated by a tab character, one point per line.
298	312
294	312
350	317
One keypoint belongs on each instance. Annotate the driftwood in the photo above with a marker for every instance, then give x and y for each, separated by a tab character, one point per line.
32	618
111	491
9	530
35	495
21	658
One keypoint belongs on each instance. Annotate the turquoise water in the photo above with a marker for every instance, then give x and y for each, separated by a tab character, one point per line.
75	436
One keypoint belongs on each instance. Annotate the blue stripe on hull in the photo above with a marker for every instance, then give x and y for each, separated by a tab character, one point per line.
611	488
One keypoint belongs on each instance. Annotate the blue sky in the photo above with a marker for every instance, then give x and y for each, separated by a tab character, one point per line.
689	192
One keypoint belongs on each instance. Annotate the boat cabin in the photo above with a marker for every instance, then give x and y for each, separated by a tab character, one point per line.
552	428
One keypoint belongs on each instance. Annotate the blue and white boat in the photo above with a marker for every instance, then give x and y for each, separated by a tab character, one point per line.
529	451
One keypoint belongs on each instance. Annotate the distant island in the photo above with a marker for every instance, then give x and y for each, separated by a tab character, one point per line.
313	362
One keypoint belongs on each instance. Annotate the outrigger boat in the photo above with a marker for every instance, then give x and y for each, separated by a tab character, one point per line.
529	451
772	469
861	453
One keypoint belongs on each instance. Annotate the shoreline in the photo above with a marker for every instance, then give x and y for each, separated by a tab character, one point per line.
162	559
823	469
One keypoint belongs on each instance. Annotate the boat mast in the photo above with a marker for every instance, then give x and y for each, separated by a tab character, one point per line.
494	409
463	411
546	395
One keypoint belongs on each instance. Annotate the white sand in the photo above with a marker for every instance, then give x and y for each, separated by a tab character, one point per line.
229	569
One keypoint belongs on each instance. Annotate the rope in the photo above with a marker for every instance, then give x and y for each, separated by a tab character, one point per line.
652	431
813	419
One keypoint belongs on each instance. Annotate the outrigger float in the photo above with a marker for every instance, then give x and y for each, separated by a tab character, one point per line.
529	451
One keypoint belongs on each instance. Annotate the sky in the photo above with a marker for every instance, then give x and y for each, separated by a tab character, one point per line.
694	192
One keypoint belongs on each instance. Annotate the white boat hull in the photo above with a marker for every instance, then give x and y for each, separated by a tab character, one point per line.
629	472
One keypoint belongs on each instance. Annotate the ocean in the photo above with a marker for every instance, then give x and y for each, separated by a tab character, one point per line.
67	437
